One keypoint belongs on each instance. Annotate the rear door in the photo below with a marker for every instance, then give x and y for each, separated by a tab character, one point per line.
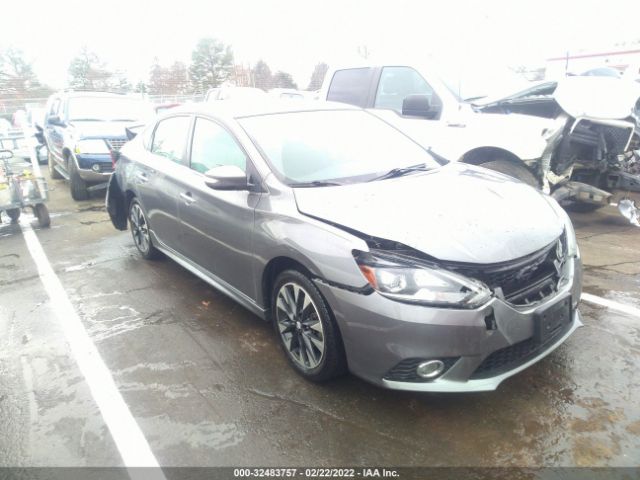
218	225
355	86
157	175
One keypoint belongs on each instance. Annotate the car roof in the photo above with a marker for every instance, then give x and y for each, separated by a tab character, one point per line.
80	93
234	109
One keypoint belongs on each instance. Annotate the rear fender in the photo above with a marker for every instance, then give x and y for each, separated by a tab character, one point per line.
116	204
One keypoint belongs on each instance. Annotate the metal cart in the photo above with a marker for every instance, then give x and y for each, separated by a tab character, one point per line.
22	185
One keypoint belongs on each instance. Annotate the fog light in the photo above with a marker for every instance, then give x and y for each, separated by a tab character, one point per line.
96	167
430	369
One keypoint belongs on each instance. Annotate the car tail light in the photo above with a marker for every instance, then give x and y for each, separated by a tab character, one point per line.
115	156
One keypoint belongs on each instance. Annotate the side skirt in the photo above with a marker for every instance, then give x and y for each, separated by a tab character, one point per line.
211	279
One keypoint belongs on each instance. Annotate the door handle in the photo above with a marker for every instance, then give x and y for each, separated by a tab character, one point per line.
142	177
187	197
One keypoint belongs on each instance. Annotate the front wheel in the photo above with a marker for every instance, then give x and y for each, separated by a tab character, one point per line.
140	232
513	169
79	188
305	327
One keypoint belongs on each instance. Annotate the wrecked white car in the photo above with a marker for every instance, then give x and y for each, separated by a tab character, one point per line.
573	138
593	141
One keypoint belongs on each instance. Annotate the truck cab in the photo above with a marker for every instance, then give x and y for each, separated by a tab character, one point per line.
418	102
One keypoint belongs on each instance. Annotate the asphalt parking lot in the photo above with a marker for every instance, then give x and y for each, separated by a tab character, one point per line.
207	385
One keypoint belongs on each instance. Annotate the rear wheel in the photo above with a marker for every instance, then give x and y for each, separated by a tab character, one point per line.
55	175
581	207
305	327
513	169
79	188
140	232
14	214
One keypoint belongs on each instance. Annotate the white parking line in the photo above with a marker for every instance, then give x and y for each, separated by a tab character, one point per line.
603	302
126	433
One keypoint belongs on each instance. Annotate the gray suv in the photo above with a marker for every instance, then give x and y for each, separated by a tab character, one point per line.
367	252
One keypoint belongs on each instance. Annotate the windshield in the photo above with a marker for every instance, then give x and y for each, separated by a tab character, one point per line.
468	83
344	146
108	109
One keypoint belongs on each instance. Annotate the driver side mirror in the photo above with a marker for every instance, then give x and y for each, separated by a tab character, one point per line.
417	106
226	177
55	120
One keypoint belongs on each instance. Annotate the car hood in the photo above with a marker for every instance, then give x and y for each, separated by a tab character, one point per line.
101	129
456	213
579	96
597	97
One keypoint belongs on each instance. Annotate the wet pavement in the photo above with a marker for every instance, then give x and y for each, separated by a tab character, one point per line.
207	384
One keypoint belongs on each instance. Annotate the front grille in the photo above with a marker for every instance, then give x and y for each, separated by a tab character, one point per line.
614	138
514	355
405	371
525	281
116	143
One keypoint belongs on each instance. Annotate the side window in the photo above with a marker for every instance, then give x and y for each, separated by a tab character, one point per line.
213	146
170	138
350	86
396	83
147	135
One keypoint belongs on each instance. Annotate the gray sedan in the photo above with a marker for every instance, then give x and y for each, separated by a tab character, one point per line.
366	252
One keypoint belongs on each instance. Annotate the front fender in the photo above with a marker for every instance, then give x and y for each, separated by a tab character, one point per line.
521	135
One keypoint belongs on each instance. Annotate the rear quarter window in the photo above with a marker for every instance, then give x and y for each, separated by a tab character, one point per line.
351	86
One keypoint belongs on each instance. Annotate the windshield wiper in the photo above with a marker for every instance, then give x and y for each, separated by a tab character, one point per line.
315	183
86	120
401	171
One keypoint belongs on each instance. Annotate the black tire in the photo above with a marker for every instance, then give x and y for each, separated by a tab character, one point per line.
581	207
42	214
55	175
14	214
78	187
513	169
301	328
139	227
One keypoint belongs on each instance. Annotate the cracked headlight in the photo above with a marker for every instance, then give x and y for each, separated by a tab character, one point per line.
92	146
402	280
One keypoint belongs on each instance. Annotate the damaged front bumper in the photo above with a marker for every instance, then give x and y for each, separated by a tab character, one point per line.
385	340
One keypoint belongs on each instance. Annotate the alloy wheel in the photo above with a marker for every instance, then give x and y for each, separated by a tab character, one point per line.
139	228
300	326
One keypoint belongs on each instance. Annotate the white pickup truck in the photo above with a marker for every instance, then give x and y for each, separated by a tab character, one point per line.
574	138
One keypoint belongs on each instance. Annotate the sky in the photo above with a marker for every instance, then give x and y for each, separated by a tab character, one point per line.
294	35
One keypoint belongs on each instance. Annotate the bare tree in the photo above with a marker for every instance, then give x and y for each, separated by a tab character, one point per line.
88	72
283	80
16	74
317	77
262	75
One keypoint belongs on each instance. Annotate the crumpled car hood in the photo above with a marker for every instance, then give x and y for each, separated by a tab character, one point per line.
457	213
101	129
597	97
579	96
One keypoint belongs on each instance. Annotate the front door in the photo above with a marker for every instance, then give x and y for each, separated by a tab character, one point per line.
218	225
